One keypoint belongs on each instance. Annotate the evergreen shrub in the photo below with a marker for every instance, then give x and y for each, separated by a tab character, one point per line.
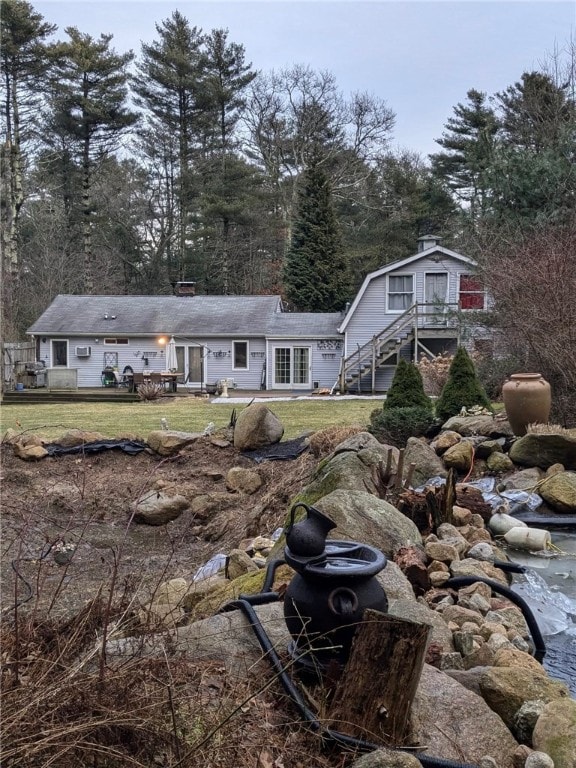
396	425
407	389
463	388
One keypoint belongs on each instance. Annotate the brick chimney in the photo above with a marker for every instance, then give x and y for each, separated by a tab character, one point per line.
428	241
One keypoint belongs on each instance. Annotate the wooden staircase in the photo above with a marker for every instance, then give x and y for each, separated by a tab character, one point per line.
365	361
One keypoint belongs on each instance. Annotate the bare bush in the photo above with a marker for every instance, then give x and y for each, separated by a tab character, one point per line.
324	441
434	372
532	280
150	390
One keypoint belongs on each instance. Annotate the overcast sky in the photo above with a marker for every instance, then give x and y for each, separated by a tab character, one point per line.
421	57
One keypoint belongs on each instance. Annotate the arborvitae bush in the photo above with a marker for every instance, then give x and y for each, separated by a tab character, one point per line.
395	426
463	388
407	389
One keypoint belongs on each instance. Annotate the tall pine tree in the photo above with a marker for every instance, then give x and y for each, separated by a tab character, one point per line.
315	272
169	89
468	143
89	99
23	64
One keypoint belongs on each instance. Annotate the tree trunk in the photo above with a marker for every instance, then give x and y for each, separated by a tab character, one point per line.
372	701
86	220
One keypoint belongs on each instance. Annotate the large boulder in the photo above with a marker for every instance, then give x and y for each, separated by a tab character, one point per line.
555	732
541	450
29	451
559	491
158	508
440	635
351	467
256	427
360	516
427	463
505	689
456	724
168	442
459	456
76	437
243	480
395	583
523	480
485	425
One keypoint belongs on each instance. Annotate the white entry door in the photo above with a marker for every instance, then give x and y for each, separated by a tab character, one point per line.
435	297
291	367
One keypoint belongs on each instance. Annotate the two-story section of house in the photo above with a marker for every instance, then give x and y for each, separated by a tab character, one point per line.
408	308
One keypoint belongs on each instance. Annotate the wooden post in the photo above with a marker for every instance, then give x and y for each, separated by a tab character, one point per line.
374	696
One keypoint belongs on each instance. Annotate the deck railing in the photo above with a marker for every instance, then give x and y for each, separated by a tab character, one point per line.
369	356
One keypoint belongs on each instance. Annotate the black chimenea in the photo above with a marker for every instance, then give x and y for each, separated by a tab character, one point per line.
333	586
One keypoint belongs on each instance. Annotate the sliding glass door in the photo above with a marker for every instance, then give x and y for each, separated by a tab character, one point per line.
291	367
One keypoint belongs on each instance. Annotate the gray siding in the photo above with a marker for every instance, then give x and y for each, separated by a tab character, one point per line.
218	360
371	316
325	355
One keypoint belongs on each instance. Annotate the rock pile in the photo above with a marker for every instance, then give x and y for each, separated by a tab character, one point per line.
482	697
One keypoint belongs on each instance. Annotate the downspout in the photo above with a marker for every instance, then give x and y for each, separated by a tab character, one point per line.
415	333
374	365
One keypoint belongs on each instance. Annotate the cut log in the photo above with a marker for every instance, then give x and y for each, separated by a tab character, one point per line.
472	498
412	563
373	698
415	506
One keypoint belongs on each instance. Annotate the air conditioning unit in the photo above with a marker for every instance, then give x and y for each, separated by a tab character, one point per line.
83	351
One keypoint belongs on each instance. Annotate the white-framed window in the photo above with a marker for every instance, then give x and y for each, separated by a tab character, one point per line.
59	350
471	292
400	295
110	341
240	355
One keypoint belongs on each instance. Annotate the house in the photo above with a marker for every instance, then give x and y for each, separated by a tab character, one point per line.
246	339
407	308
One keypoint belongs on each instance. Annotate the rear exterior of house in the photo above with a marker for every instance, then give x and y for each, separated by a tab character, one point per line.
409	308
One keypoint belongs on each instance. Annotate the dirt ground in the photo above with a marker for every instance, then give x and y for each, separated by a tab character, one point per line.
88	501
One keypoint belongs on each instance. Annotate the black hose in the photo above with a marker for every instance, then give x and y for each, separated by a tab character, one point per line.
509	567
245	604
539	646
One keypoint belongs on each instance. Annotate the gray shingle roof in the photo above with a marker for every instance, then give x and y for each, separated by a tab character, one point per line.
315	324
206	316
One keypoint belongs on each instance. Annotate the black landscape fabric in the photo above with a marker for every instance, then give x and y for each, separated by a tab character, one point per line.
289	449
128	446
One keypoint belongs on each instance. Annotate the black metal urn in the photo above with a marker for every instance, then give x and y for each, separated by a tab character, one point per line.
334	584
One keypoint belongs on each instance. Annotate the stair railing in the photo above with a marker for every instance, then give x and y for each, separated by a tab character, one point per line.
367	356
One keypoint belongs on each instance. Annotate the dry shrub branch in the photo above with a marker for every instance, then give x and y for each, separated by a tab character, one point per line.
533	283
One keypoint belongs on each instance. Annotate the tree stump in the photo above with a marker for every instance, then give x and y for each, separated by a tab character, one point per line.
374	696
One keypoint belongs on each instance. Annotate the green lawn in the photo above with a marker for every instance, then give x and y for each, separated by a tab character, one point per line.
185	414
